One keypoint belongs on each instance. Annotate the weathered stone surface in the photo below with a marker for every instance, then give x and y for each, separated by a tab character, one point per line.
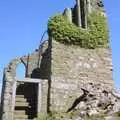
68	70
77	69
9	84
71	77
68	14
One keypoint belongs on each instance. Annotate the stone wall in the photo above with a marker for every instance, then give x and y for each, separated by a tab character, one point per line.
79	13
6	97
31	62
63	70
73	67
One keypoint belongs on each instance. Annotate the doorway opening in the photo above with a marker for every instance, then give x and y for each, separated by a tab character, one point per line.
26	101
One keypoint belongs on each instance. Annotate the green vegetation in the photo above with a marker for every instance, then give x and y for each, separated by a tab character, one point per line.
45	117
98	31
75	114
68	33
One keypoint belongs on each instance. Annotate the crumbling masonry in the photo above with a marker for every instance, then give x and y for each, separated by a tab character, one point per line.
55	73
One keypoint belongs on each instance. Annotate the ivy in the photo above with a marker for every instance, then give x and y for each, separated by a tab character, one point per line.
68	33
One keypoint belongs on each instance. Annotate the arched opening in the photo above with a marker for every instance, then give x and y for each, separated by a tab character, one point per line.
26	98
20	71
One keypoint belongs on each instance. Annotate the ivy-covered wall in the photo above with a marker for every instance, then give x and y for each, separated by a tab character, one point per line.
68	33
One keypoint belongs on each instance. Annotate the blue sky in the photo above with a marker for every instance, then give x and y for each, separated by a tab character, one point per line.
22	22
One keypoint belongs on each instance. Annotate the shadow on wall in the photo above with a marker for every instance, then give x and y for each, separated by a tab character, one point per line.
35	73
83	97
31	99
44	70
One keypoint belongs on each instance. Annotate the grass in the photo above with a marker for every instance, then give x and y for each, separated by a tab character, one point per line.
73	115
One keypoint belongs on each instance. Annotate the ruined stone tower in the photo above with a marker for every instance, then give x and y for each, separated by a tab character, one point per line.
79	14
56	72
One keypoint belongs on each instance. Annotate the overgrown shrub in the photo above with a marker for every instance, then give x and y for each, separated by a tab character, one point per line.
65	32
